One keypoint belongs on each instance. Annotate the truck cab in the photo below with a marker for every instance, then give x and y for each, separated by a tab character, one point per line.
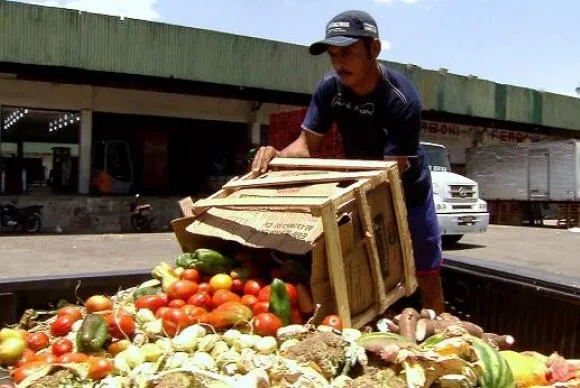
459	208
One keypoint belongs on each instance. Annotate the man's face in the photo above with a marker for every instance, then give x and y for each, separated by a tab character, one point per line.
352	63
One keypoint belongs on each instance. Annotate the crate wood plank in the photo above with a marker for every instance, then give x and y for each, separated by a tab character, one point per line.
404	234
291	180
186	204
371	244
330	164
335	262
283	202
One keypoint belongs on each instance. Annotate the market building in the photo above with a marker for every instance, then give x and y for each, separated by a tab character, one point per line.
96	108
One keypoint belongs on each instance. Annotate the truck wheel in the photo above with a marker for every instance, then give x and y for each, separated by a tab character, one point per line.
451	239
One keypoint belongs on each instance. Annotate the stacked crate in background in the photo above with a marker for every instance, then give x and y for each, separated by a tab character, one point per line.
285	128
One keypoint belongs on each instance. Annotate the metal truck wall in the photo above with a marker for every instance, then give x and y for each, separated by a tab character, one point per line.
541	316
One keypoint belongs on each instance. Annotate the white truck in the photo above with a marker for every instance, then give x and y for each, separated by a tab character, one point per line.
459	208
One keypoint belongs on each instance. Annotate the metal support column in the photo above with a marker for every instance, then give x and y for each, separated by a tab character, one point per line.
85	150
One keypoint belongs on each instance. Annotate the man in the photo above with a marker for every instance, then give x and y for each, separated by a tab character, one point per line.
378	114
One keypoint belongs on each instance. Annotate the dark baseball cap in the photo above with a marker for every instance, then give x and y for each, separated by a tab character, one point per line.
345	29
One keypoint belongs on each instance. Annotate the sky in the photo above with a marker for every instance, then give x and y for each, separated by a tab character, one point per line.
529	43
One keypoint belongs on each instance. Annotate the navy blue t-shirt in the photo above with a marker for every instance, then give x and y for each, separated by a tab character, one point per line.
384	122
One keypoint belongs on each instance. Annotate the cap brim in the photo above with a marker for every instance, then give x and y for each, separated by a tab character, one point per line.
321	46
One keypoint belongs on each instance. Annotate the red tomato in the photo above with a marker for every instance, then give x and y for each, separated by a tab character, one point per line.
296	316
264	295
62	326
200	299
118	346
237	286
37	341
266	324
194	312
260	307
333	321
249	300
222	296
151	302
190	274
204	287
252	287
120	324
27	356
47	356
22	372
176	303
161	312
72	311
73	357
98	303
181	289
175	320
292	293
62	346
100	367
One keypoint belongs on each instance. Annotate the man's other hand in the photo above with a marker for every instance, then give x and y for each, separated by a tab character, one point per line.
263	157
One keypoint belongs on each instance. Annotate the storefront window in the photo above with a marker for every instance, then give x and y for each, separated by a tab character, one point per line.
38	151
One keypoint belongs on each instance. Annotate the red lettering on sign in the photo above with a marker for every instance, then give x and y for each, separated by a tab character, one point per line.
433	127
502	136
520	137
511	136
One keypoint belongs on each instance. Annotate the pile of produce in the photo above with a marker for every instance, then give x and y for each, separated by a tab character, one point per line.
213	321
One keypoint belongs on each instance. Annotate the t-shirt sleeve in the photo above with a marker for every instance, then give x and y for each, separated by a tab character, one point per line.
405	131
319	114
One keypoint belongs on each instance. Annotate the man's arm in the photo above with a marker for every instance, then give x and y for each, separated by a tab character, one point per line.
302	147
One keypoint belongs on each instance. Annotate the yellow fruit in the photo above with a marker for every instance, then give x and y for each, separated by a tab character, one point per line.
11	349
6	333
221	281
528	371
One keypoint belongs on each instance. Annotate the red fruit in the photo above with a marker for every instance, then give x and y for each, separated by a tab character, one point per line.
120	324
333	321
62	326
252	287
200	299
62	346
182	289
266	324
151	302
260	307
37	341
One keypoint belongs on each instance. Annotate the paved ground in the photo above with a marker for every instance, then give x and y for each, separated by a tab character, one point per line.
556	251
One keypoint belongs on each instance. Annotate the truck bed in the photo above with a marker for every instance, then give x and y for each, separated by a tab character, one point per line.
542	313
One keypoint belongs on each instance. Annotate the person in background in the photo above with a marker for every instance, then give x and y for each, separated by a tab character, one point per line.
378	114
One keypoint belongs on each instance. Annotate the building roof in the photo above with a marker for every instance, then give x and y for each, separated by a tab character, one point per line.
56	37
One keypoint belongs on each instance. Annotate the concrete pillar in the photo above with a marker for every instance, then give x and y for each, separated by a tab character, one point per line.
85	146
256	132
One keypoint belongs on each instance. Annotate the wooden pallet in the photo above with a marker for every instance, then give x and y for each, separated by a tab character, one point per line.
369	187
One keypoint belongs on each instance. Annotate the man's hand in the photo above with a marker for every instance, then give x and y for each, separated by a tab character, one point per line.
263	157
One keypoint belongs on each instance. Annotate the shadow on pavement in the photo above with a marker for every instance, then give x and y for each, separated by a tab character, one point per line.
461	246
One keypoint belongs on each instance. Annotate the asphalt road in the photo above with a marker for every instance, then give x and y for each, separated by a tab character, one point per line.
552	251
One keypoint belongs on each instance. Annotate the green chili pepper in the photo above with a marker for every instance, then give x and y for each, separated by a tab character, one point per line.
279	303
207	261
93	334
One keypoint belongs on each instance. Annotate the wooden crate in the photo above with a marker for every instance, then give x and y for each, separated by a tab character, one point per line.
362	261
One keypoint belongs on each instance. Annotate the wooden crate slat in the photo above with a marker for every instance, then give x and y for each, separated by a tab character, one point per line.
311	179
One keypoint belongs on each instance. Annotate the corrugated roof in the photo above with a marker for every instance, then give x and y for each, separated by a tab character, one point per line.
60	37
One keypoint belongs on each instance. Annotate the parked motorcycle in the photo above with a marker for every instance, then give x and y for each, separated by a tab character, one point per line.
141	215
28	218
